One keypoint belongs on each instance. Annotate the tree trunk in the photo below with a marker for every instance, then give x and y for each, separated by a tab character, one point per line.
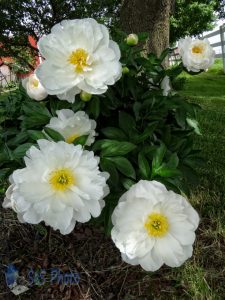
148	16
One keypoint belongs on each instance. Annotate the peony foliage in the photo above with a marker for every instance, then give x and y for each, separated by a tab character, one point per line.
111	123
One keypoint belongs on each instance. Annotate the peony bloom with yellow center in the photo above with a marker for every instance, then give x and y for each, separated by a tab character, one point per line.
196	54
153	226
34	88
78	56
61	184
73	125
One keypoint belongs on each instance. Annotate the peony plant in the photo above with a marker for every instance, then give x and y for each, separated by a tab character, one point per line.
109	140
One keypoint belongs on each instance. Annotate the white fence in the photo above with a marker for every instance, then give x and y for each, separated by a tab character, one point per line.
174	57
6	76
221	34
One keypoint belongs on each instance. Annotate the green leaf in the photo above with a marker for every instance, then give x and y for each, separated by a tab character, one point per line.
56	136
21	150
126	122
124	166
117	148
94	107
101	144
36	135
163	169
41	229
166	171
195	125
143	165
180	116
148	132
136	108
158	157
34	121
81	140
173	161
143	36
5	154
108	210
127	183
164	54
114	133
35	108
108	166
4	172
18	139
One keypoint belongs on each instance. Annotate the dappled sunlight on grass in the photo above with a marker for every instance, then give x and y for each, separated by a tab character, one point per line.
205	273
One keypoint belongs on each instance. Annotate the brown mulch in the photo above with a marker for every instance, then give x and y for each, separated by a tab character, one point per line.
86	250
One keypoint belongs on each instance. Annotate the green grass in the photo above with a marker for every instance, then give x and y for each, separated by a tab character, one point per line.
205	274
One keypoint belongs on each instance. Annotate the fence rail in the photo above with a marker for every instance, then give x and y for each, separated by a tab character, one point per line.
6	76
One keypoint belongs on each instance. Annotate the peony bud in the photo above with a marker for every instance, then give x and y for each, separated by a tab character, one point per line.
84	96
132	39
125	70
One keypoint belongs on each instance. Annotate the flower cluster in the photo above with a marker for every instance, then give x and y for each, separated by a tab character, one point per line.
68	173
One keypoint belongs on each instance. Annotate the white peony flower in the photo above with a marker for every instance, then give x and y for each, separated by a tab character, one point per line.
196	54
165	85
153	226
73	125
34	88
61	184
78	56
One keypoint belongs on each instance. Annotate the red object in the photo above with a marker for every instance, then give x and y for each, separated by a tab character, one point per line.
38	60
4	60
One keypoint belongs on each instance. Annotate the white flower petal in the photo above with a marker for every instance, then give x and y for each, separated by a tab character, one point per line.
48	190
34	88
69	95
32	217
151	261
73	125
153	226
78	56
196	54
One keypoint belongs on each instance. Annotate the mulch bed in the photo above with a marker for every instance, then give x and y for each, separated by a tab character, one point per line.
86	250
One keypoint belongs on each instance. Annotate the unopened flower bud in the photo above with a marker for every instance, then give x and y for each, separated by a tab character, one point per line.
132	39
125	70
84	96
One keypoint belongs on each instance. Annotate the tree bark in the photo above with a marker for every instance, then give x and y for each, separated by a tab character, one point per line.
148	16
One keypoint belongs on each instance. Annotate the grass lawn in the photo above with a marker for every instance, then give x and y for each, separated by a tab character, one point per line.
103	275
204	276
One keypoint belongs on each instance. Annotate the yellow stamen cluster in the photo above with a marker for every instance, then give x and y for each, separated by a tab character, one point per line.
35	83
70	139
61	179
197	49
156	225
79	59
